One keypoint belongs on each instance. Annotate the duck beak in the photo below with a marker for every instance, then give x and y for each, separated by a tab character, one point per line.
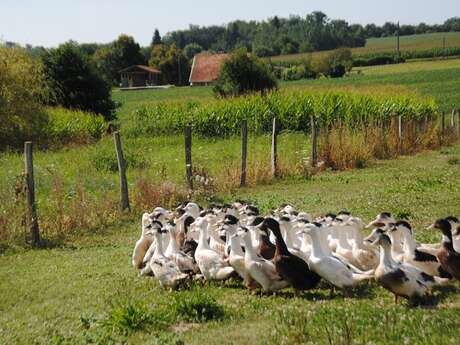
375	223
431	227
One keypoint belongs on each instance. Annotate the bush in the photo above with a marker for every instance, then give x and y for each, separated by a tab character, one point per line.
22	94
197	306
104	159
75	83
67	126
243	73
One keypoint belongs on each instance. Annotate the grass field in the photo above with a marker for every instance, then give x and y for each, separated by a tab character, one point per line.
388	44
87	292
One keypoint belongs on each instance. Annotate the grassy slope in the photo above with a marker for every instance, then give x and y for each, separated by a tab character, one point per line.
45	293
388	44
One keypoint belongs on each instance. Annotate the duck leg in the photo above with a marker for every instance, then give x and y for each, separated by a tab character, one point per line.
396	299
331	291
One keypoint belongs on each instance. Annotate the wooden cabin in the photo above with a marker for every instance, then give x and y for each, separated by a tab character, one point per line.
139	76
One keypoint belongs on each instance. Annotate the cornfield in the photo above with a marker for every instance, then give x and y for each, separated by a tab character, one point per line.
294	110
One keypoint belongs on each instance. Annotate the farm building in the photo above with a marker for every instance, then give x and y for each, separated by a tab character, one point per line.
139	76
206	68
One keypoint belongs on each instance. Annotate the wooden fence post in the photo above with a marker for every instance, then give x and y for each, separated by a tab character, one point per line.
452	118
32	220
400	134
275	148
124	197
458	123
244	151
314	142
188	156
443	124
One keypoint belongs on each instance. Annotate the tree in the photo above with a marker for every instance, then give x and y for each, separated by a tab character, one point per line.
191	49
121	53
243	73
23	90
174	66
75	83
156	38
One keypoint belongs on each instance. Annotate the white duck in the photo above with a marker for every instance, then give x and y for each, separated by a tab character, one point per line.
330	267
143	244
365	257
212	264
414	256
261	270
383	220
185	262
165	270
236	258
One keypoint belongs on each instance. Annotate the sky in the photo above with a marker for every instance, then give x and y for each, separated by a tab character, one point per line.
51	22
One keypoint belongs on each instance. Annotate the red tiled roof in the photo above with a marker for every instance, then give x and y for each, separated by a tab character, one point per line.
142	67
206	67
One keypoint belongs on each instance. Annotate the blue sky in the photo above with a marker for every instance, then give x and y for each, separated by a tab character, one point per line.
50	22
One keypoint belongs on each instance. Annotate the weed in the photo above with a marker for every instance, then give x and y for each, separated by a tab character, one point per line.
196	306
453	161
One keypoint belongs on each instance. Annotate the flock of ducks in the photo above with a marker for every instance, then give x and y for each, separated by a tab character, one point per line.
291	249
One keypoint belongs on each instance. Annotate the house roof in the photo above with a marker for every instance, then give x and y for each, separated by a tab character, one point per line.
206	67
141	67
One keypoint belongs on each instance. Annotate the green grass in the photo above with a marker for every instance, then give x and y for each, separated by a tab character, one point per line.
388	44
88	291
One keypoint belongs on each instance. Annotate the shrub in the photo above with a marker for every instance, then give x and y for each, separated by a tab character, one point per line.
22	92
66	126
196	306
104	159
75	83
243	73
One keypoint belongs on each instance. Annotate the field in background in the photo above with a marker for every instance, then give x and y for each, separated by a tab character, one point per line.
440	79
388	44
88	293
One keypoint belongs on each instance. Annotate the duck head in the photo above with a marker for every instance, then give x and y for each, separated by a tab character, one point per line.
382	240
400	226
374	235
442	225
270	224
381	220
155	227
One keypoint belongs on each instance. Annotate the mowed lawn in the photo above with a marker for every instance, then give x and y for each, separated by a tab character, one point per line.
87	292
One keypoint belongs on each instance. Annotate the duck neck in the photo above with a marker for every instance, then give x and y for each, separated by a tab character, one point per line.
172	245
203	239
158	245
385	256
447	240
343	239
306	244
249	253
281	248
316	245
288	235
409	243
396	247
235	246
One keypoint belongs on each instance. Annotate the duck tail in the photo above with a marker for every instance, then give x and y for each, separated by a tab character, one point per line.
358	277
441	281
